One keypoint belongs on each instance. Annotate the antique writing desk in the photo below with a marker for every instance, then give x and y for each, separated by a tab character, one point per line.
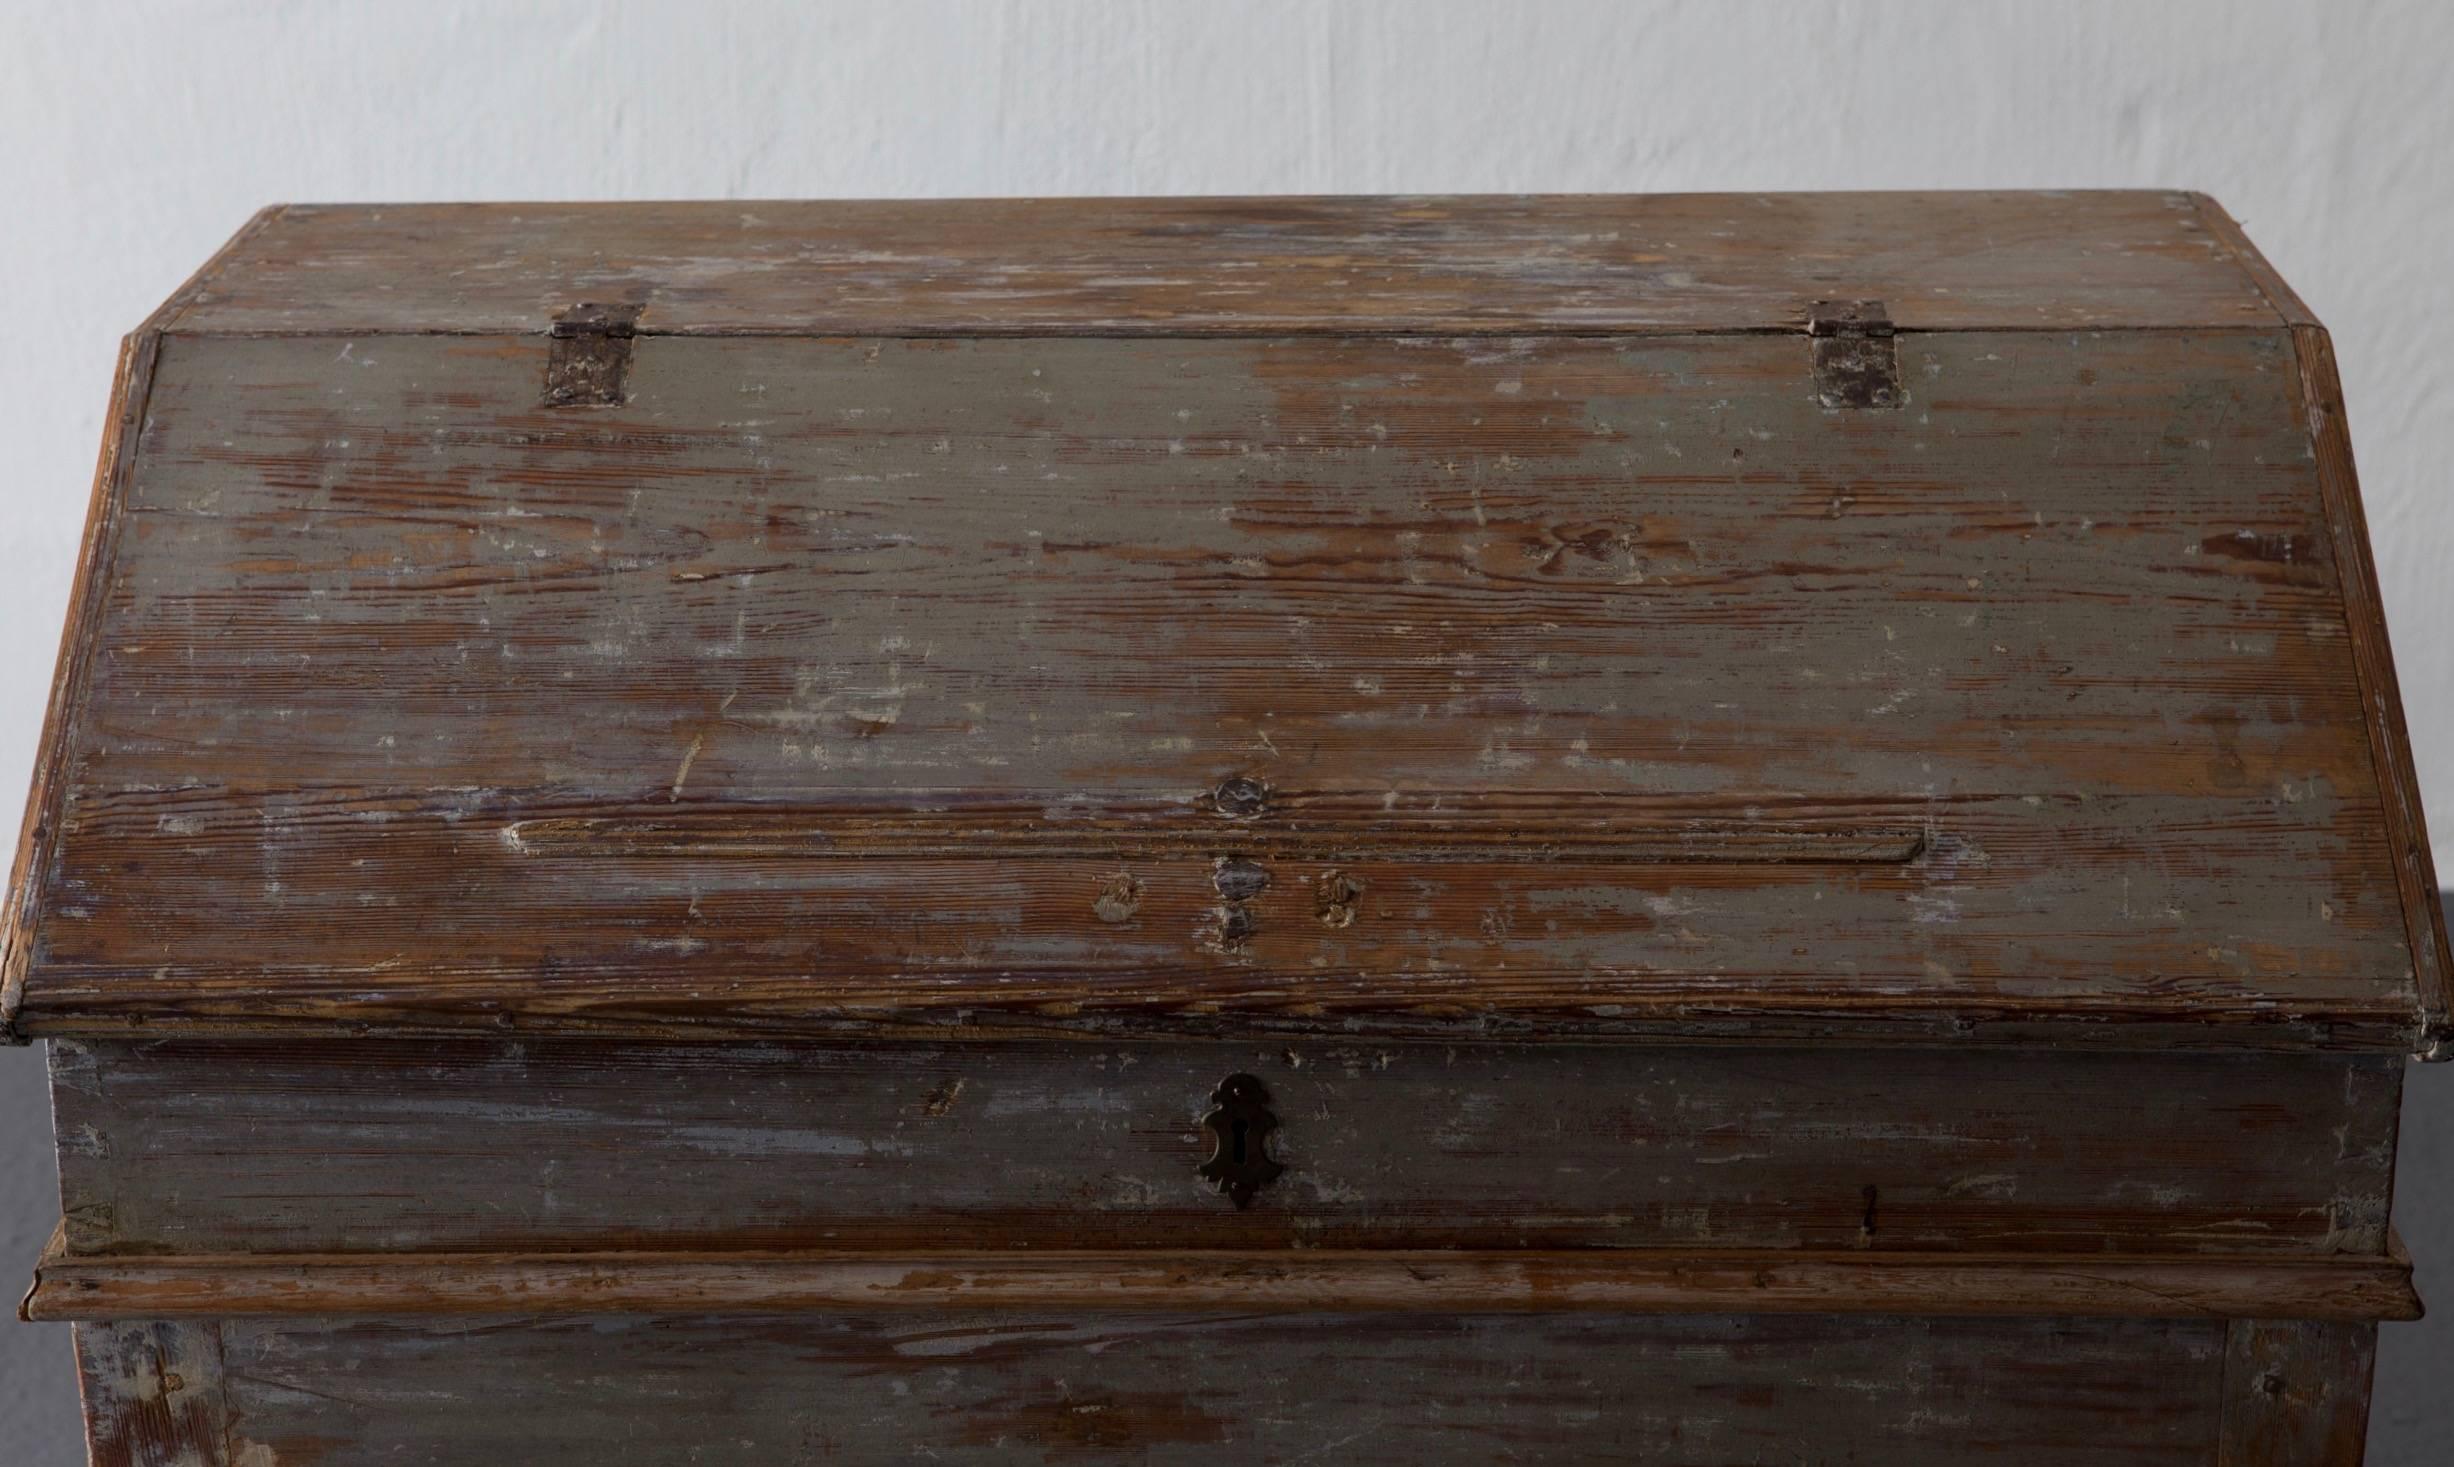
1690	830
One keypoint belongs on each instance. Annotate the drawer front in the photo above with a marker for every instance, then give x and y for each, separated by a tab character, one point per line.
200	1147
1143	1389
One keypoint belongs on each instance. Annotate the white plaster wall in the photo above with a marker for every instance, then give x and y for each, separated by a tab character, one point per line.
135	136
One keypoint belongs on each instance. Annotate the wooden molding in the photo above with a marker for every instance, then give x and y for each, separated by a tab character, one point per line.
1059	1011
1739	1281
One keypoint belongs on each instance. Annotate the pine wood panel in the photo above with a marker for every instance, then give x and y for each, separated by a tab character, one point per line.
1710	262
1193	1390
1952	724
1276	1389
131	385
154	1394
2415	866
2296	1394
222	1147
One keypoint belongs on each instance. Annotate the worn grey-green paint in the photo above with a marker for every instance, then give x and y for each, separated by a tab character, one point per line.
1205	1389
403	612
205	1147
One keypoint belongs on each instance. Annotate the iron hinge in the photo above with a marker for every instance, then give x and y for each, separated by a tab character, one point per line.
589	355
1856	362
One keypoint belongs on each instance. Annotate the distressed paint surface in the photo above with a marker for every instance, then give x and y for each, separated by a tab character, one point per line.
925	645
2296	1393
1292	627
222	1147
1008	1388
153	1394
1178	266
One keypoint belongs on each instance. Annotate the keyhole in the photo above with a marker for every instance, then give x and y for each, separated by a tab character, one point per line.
1239	1124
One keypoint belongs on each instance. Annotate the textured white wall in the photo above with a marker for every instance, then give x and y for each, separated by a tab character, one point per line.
135	137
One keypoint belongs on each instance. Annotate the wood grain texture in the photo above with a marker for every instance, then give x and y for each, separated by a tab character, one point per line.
1658	263
1374	1389
520	872
529	1145
2296	1393
130	386
154	1394
2235	242
2390	738
1665	1281
2415	865
1523	590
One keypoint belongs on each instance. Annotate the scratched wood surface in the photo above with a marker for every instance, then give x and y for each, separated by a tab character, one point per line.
154	1394
2296	1393
1347	639
1620	684
1011	1387
1176	266
224	1147
1197	1390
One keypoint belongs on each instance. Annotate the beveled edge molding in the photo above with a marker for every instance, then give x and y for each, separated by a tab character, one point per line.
1637	1281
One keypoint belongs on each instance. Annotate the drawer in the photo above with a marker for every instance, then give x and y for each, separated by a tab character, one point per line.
1201	1389
217	1147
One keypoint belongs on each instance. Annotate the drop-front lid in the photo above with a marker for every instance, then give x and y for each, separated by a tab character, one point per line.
1934	618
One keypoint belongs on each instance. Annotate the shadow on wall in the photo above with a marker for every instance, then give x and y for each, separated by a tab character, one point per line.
39	1422
2411	1417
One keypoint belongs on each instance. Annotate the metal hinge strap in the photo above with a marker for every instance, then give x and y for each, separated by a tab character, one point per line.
1856	362
589	355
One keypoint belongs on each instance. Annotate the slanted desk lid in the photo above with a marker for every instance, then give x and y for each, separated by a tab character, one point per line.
1916	617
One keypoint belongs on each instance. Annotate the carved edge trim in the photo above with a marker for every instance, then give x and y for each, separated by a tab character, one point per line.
2398	783
54	1247
131	391
2358	1288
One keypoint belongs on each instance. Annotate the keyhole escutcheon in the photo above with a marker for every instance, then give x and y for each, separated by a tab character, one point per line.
1239	1123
